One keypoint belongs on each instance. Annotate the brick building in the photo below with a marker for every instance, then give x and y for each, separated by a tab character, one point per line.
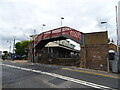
94	53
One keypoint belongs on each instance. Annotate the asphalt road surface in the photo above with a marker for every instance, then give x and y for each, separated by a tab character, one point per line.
28	75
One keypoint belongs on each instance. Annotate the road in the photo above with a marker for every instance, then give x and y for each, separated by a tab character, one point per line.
29	75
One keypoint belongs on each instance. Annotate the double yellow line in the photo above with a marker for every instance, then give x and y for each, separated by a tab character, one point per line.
117	77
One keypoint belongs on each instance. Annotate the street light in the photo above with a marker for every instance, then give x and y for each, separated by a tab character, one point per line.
61	20
34	45
104	23
61	24
14	45
43	26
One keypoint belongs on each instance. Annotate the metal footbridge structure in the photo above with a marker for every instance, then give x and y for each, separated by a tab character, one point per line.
61	33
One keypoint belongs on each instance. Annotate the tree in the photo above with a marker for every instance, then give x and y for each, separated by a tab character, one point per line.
21	48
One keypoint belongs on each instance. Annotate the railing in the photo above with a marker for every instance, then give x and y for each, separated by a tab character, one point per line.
59	32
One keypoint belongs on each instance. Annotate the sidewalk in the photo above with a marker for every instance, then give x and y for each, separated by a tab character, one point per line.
94	72
19	61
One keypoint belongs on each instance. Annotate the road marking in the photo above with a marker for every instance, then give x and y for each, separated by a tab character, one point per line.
63	77
91	73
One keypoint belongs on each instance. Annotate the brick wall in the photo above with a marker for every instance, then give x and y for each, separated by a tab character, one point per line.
96	38
94	54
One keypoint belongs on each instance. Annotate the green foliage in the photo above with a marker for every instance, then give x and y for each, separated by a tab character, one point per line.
21	47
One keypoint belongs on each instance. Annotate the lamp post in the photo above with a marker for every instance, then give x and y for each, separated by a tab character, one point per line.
34	45
61	24
13	48
43	26
61	27
14	45
61	20
116	8
104	23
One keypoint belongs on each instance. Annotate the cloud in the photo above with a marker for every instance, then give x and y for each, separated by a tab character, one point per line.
19	18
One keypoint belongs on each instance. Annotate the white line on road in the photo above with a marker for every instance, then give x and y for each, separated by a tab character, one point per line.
64	77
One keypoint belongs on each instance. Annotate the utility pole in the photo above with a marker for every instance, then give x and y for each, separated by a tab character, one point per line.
14	48
14	45
117	28
10	47
34	45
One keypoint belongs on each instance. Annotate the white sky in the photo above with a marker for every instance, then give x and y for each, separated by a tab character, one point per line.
19	18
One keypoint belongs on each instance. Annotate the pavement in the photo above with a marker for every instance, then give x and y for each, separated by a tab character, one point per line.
93	72
23	74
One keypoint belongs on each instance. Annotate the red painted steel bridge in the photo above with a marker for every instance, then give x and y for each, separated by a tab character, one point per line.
61	33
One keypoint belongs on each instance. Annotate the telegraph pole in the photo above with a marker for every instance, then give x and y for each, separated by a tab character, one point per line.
34	46
10	47
117	28
14	48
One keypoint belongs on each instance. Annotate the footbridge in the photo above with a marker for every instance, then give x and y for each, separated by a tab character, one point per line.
61	33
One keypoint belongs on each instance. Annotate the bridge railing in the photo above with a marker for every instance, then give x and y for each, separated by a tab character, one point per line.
59	32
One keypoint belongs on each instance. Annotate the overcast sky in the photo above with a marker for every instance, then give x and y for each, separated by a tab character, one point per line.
19	18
